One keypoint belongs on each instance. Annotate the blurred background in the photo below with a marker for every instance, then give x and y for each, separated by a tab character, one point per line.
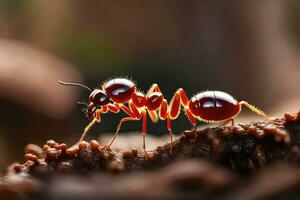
249	49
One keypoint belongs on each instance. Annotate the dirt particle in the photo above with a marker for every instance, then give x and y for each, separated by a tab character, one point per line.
31	157
94	145
34	149
252	130
115	166
52	154
51	143
84	145
190	134
65	166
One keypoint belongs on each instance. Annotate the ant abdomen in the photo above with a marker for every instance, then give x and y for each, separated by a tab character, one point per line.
214	106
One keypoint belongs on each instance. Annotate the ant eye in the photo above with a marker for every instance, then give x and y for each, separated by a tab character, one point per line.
98	97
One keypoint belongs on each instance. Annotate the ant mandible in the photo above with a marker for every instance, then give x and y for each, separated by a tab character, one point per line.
208	106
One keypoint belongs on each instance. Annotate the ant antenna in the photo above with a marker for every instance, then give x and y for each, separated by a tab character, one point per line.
76	84
82	103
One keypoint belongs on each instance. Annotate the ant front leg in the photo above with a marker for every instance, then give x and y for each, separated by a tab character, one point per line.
114	108
110	107
97	118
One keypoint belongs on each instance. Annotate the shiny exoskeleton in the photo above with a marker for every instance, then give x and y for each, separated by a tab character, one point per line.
121	94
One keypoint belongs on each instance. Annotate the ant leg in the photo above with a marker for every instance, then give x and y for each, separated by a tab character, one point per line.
174	108
153	116
131	111
163	114
144	132
97	118
185	103
133	115
154	88
128	111
183	97
178	99
125	119
226	122
86	129
113	108
134	110
190	117
163	110
170	133
256	110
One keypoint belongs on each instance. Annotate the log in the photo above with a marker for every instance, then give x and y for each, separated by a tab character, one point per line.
258	160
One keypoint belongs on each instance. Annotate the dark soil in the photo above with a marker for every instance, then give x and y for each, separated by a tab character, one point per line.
248	161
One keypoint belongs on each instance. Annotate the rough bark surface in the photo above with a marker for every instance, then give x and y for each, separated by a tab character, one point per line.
259	160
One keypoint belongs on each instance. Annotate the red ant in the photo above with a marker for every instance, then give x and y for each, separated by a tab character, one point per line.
208	106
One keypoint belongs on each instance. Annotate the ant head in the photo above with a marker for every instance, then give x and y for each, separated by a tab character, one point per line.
96	98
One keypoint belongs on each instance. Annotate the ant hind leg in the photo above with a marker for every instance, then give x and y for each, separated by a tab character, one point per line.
170	134
144	132
226	122
256	110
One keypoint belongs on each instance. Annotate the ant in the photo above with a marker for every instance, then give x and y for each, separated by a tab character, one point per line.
208	106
